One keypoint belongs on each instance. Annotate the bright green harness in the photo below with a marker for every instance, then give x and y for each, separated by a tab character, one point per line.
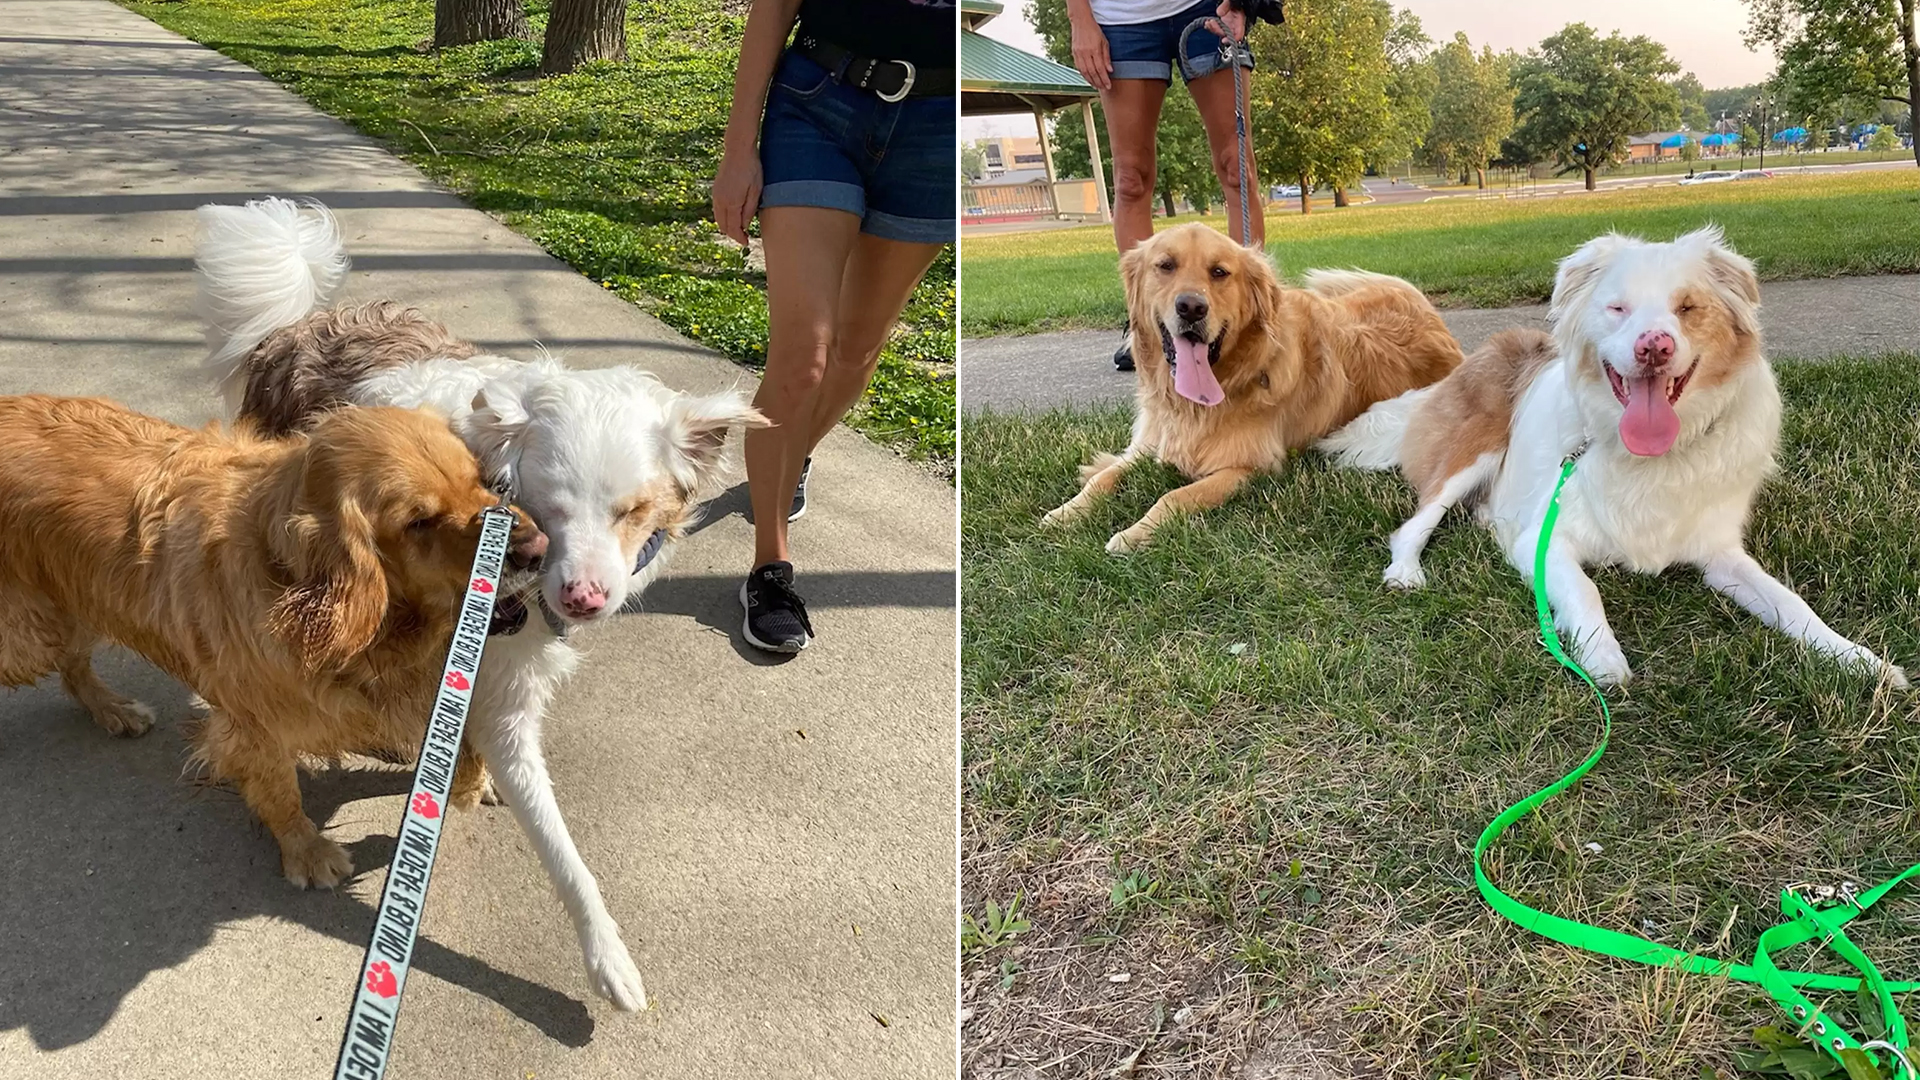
1805	921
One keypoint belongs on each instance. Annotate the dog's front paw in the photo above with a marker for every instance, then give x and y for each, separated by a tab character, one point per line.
612	971
1065	514
490	795
1605	663
1401	575
125	718
315	863
1126	542
1898	677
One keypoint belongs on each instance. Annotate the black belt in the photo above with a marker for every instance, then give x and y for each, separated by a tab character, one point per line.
890	80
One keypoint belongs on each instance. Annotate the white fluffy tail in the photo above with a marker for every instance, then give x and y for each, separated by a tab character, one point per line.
1341	282
1372	439
262	266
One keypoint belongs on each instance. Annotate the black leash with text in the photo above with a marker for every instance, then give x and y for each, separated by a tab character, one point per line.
396	922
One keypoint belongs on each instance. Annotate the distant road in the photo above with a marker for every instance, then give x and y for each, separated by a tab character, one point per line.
1385	192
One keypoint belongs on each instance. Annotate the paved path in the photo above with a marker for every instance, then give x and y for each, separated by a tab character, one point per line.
780	890
1800	319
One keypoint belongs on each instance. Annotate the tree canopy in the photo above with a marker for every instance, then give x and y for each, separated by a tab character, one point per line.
1840	56
1472	106
1581	96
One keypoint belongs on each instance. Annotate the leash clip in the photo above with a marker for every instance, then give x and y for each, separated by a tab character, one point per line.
1817	895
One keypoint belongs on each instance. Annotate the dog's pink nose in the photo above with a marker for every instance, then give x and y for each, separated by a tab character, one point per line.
582	598
1655	347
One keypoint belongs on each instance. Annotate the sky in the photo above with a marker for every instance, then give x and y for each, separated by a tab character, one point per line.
1703	35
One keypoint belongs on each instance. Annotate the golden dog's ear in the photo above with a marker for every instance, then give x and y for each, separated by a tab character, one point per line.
1263	286
338	598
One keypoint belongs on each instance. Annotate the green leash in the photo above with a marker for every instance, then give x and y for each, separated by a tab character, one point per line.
1822	917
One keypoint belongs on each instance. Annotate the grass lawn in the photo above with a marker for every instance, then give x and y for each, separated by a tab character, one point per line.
1234	781
1477	253
608	168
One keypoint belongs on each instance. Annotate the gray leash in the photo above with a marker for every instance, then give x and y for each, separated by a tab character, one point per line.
1232	50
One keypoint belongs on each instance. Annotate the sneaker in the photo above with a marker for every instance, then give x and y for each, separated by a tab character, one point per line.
776	617
800	492
1123	356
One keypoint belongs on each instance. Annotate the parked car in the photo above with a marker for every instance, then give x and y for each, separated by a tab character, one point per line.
1284	191
1714	177
1755	174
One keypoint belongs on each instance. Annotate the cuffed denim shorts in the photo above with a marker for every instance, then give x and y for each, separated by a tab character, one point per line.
890	164
1149	50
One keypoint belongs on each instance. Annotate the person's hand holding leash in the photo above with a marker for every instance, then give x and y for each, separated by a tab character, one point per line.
1233	19
1090	55
736	192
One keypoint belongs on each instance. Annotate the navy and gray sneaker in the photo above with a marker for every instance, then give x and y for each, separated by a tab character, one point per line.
1123	356
800	492
776	616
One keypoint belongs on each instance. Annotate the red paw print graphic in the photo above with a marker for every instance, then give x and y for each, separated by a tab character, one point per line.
458	681
380	979
480	585
424	805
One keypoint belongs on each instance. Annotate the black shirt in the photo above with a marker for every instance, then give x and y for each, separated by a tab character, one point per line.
921	32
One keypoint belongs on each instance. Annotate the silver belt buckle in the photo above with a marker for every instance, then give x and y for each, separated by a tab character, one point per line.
904	87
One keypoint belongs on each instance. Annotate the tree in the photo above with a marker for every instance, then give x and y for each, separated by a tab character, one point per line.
1472	107
1730	100
580	31
1320	94
1409	94
1841	51
1582	95
973	161
463	22
1693	102
1690	148
1883	139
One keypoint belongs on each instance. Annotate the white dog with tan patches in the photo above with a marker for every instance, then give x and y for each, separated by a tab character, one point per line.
1655	377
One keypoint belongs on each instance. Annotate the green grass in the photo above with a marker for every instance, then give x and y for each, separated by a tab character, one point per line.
608	168
1240	770
1478	253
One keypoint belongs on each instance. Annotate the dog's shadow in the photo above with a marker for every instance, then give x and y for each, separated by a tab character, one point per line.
112	867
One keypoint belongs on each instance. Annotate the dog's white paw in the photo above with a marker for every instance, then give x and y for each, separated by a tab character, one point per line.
612	971
1123	543
125	717
1605	662
1405	575
1898	677
1064	514
490	795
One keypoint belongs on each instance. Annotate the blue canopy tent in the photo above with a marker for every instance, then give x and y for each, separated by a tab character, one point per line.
1728	139
1674	141
1791	135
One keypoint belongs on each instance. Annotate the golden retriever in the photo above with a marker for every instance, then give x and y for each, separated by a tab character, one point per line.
1236	369
305	588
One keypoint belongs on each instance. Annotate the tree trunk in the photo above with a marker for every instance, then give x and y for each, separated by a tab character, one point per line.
1340	196
463	22
1589	169
1481	172
1166	200
1306	196
1911	49
579	31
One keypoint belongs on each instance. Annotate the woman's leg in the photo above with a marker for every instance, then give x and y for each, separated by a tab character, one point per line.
1133	119
807	250
1213	96
879	279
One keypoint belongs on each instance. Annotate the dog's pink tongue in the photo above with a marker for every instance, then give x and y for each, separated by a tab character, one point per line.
1649	426
1193	375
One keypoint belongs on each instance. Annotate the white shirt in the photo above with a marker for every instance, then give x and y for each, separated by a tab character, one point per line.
1129	12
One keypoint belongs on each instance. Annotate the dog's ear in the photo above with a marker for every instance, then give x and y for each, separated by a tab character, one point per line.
1579	272
1732	276
1263	286
697	428
338	598
1133	267
494	429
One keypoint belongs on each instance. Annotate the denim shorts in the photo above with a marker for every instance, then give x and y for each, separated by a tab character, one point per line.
890	164
1147	50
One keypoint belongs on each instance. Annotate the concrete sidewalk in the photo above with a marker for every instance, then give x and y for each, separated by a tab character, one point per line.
777	840
1806	319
